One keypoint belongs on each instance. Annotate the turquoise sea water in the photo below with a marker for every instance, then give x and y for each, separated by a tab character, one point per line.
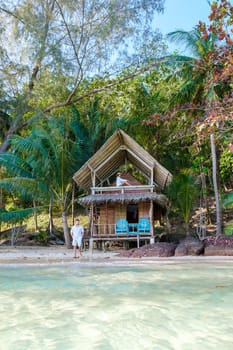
181	307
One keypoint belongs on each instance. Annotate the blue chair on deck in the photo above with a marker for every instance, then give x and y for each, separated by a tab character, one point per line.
144	225
122	227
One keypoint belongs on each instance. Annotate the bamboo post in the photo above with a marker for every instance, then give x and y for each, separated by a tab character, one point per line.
152	239
215	184
72	203
91	229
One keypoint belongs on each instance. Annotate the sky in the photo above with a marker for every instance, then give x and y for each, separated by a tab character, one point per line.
182	14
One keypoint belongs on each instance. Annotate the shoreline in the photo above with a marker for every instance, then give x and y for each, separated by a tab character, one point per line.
14	256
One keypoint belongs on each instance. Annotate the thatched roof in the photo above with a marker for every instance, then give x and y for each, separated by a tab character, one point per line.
127	198
119	148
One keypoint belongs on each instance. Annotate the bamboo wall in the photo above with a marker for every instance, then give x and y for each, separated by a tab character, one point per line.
120	212
110	214
107	219
144	210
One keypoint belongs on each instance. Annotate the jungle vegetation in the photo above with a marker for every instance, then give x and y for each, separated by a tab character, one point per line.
73	73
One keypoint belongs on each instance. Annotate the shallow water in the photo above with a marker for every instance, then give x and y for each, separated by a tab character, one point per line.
181	307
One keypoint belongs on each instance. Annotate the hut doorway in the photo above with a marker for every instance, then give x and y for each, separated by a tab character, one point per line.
132	213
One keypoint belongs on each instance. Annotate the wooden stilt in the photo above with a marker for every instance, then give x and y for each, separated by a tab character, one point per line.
152	239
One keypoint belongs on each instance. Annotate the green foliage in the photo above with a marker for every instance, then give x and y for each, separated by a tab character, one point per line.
15	165
41	237
226	166
228	229
26	188
201	100
42	163
58	60
182	193
228	200
48	95
16	216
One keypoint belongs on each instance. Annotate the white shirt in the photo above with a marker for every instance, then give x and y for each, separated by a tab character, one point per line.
120	181
77	231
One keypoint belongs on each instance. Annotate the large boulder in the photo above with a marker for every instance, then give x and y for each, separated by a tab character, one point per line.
221	245
189	246
162	249
213	250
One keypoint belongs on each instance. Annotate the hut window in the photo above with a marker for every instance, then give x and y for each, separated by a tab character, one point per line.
132	213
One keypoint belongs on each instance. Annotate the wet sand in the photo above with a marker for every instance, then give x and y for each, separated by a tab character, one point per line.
62	255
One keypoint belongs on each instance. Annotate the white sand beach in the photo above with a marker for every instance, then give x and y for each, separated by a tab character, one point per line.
61	255
47	255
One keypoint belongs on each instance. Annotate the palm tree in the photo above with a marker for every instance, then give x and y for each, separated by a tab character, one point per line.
182	192
43	163
192	88
198	89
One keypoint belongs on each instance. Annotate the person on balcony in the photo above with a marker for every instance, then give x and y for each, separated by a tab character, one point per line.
120	181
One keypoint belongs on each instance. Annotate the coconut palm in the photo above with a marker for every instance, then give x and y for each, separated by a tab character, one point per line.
193	80
43	163
198	88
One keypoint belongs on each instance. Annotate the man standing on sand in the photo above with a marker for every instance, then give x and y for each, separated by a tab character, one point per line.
77	232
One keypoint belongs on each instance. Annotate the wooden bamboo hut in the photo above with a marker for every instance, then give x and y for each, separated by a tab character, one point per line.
108	204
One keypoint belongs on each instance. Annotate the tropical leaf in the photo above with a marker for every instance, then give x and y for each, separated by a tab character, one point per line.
17	215
182	192
15	165
228	200
25	187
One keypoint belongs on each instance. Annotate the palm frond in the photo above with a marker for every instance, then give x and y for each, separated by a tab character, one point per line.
178	60
188	40
15	165
23	144
17	215
194	41
190	89
24	186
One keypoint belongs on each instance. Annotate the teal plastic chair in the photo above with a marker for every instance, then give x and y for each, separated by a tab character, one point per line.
122	227
143	225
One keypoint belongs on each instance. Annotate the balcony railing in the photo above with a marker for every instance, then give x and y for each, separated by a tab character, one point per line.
122	189
99	230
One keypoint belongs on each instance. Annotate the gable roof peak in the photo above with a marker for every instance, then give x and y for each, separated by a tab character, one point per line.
120	147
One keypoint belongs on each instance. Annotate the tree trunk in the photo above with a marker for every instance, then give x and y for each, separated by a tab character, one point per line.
204	203
5	144
16	125
215	184
168	227
35	217
186	227
50	218
73	193
66	230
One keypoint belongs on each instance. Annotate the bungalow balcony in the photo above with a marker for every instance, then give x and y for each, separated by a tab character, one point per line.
122	189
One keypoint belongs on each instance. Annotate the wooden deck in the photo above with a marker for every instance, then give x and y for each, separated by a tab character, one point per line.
101	240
